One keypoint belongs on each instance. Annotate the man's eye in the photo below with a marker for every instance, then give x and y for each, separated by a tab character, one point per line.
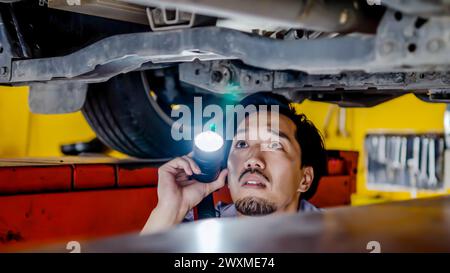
275	145
241	144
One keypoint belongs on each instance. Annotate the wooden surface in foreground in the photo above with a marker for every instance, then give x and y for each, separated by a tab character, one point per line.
410	226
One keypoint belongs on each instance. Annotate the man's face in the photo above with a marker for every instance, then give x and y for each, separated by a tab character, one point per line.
266	176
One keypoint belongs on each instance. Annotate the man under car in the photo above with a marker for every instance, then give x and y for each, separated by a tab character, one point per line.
263	176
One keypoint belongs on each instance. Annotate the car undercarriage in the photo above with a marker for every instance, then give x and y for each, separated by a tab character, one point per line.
352	53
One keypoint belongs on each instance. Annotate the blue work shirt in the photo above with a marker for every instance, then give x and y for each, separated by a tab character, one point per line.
229	210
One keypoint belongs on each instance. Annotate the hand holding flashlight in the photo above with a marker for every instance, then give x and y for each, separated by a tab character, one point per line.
178	192
208	155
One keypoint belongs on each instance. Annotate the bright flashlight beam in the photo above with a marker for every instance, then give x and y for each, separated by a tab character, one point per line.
208	141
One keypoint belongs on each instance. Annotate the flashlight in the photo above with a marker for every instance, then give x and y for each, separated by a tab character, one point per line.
208	154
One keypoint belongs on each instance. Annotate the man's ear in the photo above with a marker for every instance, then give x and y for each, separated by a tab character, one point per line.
307	179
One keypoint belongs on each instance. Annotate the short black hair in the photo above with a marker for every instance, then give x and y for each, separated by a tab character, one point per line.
309	138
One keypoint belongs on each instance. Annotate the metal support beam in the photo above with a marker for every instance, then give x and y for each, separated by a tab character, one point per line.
406	44
5	53
324	15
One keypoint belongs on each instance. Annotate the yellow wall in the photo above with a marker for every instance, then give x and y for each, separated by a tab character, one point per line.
25	134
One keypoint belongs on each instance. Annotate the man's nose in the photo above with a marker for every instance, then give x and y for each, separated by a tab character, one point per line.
255	162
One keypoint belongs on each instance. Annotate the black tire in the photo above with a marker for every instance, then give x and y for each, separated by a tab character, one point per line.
126	118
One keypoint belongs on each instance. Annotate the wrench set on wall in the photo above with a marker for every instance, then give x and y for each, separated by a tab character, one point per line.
405	160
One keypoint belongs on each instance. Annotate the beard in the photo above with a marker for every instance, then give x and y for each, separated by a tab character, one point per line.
254	206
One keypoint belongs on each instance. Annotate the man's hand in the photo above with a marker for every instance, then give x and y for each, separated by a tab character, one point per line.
177	193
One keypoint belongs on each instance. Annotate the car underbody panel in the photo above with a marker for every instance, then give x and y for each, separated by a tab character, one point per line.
384	52
407	51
